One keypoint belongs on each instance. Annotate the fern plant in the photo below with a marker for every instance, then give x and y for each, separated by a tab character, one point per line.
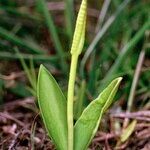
57	112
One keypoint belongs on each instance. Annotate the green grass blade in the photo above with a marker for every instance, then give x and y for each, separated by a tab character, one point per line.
33	73
124	53
29	74
53	109
16	12
36	58
87	125
53	32
69	14
19	42
101	33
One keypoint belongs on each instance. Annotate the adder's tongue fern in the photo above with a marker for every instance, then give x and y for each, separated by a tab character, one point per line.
76	49
57	115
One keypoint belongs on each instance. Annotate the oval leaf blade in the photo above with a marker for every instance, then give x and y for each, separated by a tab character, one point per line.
52	105
87	125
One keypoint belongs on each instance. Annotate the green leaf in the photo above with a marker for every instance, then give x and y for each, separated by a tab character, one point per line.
87	125
52	105
128	131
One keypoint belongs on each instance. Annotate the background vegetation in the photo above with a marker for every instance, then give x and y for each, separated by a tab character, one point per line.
117	44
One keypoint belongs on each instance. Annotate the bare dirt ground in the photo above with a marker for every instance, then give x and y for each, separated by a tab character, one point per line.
21	129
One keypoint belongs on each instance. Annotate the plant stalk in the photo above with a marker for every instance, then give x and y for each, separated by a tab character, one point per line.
70	98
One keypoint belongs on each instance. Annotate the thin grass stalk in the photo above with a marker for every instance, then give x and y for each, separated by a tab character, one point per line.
102	15
124	53
33	73
101	33
137	73
27	71
92	71
53	31
36	58
135	80
19	42
100	21
69	14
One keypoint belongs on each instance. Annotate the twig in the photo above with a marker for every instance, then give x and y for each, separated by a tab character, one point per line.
13	142
143	134
135	114
142	115
142	125
24	102
8	116
105	136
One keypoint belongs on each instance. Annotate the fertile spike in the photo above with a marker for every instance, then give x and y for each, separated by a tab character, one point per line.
79	30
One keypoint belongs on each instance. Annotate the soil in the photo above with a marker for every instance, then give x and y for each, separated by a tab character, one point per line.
21	128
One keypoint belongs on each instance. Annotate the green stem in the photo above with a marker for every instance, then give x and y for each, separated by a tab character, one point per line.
70	97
